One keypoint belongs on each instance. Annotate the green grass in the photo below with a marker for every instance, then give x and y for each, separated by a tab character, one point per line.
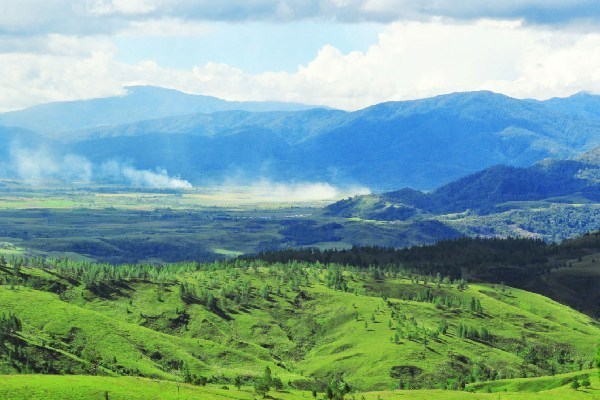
49	387
541	384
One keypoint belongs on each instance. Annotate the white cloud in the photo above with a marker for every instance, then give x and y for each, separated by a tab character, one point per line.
421	59
167	27
410	60
104	7
89	17
39	165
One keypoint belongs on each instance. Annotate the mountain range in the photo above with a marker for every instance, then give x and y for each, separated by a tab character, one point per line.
421	144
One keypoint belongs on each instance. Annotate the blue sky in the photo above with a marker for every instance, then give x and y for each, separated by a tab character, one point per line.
341	53
254	46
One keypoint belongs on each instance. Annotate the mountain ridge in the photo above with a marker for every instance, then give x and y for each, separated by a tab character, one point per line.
139	103
419	143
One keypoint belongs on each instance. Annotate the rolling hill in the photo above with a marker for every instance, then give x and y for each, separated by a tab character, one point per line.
223	324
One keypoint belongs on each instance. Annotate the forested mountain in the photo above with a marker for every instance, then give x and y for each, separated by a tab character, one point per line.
582	104
485	191
420	144
139	103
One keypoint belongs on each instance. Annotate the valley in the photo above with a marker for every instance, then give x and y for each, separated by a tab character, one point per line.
170	257
299	200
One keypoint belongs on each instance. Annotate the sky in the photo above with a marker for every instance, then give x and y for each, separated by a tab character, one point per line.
346	54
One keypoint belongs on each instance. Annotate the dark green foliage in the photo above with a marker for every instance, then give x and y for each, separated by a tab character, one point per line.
512	261
469	332
305	232
597	358
263	384
446	257
585	382
9	325
337	389
554	358
443	327
335	280
238	381
575	384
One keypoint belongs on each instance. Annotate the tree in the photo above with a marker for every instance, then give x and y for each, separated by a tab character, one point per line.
575	384
267	375
238	382
277	383
597	358
263	384
443	327
261	388
328	393
585	382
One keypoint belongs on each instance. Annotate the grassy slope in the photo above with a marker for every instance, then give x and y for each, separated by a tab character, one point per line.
47	387
317	337
532	385
46	316
368	355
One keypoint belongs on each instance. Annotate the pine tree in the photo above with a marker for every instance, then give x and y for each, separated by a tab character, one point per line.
443	327
597	358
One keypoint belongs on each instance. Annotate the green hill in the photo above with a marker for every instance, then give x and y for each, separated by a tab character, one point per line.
222	323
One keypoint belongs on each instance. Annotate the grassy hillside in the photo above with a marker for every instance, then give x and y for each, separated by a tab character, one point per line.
45	387
309	324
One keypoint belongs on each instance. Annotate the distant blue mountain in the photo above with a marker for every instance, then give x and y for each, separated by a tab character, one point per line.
581	104
140	103
421	144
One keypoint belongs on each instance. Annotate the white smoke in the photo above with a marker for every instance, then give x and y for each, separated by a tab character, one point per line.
42	165
158	179
265	190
